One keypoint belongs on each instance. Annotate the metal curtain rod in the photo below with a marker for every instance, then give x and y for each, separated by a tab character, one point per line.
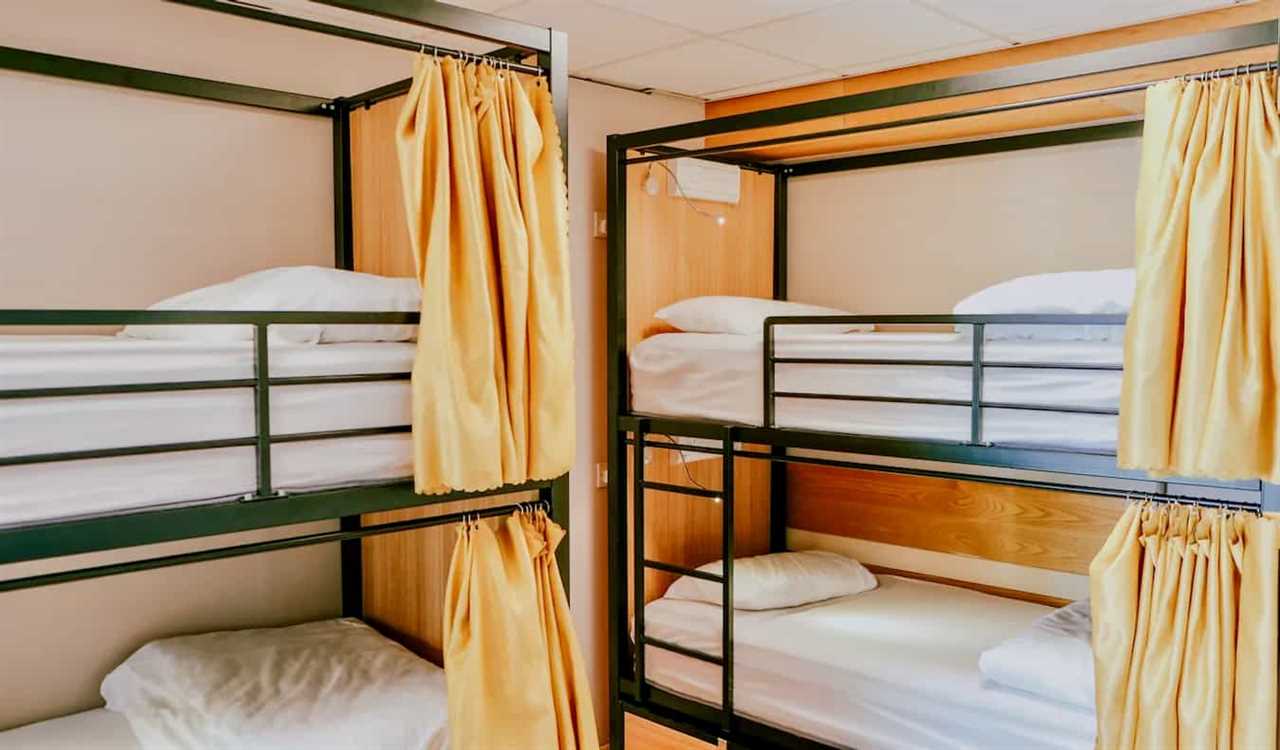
253	548
666	154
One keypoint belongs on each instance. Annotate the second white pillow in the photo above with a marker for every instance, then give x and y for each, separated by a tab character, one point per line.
745	316
779	580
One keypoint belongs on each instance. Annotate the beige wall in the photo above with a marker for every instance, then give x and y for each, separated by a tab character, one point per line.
124	197
917	238
594	112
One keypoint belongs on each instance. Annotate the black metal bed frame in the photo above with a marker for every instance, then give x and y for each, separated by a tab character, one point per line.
630	691
267	507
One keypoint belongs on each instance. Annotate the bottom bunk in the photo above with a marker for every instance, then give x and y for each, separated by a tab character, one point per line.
897	666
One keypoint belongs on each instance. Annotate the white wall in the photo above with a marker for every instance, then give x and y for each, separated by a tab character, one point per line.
596	111
917	238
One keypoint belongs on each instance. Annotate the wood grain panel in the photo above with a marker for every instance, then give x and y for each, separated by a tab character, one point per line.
405	574
685	530
1093	110
1038	528
675	252
379	233
646	735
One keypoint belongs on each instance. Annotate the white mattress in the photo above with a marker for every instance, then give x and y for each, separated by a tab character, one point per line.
98	729
896	667
718	377
39	492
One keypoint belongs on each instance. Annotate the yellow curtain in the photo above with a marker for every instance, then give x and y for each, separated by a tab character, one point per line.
515	673
1202	355
1185	630
484	189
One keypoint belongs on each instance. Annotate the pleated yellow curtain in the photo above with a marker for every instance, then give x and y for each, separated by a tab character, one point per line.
1202	355
1185	630
515	673
484	188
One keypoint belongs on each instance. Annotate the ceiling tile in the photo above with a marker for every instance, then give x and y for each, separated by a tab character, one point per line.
858	32
1024	21
485	6
917	58
773	85
699	68
716	16
598	34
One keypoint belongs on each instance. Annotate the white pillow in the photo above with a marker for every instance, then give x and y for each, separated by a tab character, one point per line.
1107	292
745	316
334	683
781	579
307	288
1052	659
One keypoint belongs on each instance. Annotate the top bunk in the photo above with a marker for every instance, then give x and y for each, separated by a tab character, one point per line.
251	405
1024	395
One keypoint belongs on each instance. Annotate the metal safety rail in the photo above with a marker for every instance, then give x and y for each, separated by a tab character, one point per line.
265	506
642	563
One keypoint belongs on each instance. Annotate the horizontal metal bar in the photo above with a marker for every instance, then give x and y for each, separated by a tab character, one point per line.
198	317
872	399
300	437
43	63
1104	61
680	489
194	385
678	649
683	571
1051	408
454	20
1059	137
131	450
252	548
966	363
259	14
996	320
114	531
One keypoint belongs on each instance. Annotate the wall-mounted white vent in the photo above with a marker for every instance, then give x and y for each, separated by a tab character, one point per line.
705	180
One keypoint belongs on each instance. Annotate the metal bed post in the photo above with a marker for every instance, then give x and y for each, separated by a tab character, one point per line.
641	689
727	532
777	468
262	408
979	333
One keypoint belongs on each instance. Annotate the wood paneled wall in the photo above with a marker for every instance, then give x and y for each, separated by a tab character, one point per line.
1092	110
1058	531
404	574
676	249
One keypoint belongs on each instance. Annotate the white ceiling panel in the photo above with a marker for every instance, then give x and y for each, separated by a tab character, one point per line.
772	85
1025	21
699	68
599	33
917	58
717	16
858	32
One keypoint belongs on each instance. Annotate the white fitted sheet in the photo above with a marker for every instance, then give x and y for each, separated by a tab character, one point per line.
896	667
718	377
40	492
98	729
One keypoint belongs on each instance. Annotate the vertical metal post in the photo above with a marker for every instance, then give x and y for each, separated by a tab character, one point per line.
617	403
351	553
975	405
343	250
557	497
556	62
778	468
637	555
727	531
768	374
262	408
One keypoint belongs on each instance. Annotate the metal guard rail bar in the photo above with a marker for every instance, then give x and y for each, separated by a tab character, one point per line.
261	382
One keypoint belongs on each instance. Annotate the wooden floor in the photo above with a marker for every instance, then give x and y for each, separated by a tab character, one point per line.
645	735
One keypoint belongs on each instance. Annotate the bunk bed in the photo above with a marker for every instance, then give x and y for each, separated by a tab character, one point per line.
113	443
959	405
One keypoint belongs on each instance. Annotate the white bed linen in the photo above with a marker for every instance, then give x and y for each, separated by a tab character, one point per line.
98	729
718	377
38	492
896	667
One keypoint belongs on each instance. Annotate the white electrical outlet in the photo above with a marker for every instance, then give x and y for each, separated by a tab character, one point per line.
602	475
